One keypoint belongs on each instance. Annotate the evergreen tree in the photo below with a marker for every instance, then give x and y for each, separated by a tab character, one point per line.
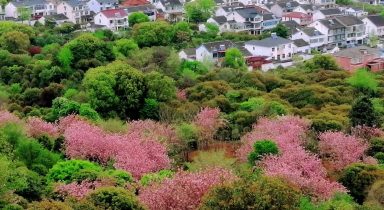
362	113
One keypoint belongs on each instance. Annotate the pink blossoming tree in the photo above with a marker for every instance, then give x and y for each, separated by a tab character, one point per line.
341	149
77	190
37	127
185	190
208	121
7	117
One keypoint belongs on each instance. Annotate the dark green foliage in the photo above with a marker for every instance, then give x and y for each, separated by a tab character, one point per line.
362	113
325	62
262	148
281	30
114	198
150	109
380	157
265	193
149	34
358	178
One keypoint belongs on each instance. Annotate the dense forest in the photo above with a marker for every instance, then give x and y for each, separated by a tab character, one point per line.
102	120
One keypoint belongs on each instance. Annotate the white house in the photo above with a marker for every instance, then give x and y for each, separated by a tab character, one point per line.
300	18
354	29
334	31
188	54
147	9
221	22
312	36
301	46
326	13
281	8
324	3
213	51
305	8
173	9
38	8
274	47
77	11
113	19
354	12
374	25
99	5
56	19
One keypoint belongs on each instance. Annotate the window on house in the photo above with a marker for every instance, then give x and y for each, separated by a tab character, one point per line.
111	21
273	49
253	48
283	55
65	8
99	20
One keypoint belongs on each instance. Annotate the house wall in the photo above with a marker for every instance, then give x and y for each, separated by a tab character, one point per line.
203	54
100	19
284	51
10	10
277	10
372	29
317	15
67	10
346	63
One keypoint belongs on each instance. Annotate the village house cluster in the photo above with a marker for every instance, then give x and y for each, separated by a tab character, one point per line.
314	26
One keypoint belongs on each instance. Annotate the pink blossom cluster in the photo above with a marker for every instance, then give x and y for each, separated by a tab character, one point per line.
77	190
185	190
37	127
208	121
131	151
366	132
181	95
7	117
341	149
293	162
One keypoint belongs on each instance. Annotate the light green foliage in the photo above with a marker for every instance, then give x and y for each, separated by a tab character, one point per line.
160	87
157	177
373	40
24	13
114	198
86	110
156	33
264	193
121	177
8	26
195	66
126	46
187	132
210	159
253	104
199	10
65	57
67	171
62	107
234	58
113	125
137	17
212	29
320	61
261	149
364	81
15	42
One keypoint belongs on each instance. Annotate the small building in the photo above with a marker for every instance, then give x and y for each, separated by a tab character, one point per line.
351	59
188	54
274	47
301	18
213	51
113	19
147	9
77	11
100	5
312	36
38	8
279	9
301	46
374	25
173	9
326	13
333	30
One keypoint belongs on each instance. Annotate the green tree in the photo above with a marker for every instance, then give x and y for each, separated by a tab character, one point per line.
325	62
199	10
234	58
67	171
160	87
158	33
24	13
114	198
65	57
126	46
373	40
15	42
281	30
364	81
362	113
137	17
262	148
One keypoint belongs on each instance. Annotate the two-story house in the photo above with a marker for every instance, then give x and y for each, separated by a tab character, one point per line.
314	37
324	3
147	9
332	29
37	8
351	59
326	13
213	51
274	47
374	25
281	8
354	12
100	5
113	19
354	29
301	18
173	9
308	9
77	11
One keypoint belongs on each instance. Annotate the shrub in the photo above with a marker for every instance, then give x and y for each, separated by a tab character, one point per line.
358	178
121	177
265	193
380	157
376	194
68	171
262	148
377	145
114	198
157	177
48	204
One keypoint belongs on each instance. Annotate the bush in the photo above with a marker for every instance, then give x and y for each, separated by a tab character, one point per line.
157	177
114	198
377	145
376	194
48	204
380	157
262	148
265	193
121	177
358	178
70	170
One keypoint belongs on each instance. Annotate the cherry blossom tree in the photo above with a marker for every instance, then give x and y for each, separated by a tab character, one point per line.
185	190
208	121
341	149
7	117
36	127
77	190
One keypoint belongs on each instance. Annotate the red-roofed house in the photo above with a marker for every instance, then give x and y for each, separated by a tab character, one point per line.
130	3
113	19
299	17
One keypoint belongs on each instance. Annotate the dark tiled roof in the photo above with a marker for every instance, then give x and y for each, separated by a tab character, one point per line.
349	20
292	26
212	46
56	17
220	19
141	8
268	16
190	51
300	43
307	6
290	4
331	11
269	42
378	20
243	50
331	24
248	12
229	8
357	52
311	31
219	1
28	3
75	3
